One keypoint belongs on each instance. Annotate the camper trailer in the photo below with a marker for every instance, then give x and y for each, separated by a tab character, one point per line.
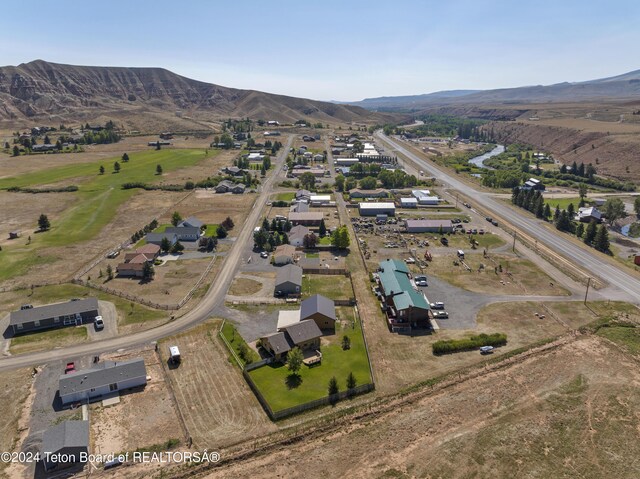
174	354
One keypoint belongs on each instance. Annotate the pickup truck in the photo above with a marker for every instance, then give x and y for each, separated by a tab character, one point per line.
71	368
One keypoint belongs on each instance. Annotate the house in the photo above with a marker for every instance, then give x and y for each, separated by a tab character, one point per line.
224	186
284	254
425	198
406	307
308	155
299	207
108	377
296	235
277	344
65	444
345	161
271	133
419	193
156	238
70	313
408	202
255	157
589	214
238	189
273	123
289	280
184	233
320	200
320	309
373	209
428	226
303	195
318	157
306	219
233	171
304	334
377	193
533	184
191	222
131	269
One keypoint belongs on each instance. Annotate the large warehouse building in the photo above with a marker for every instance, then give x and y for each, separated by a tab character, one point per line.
374	209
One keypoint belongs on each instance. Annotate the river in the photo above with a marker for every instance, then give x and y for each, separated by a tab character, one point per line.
479	160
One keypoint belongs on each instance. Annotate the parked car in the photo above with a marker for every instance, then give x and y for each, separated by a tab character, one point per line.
71	368
264	254
465	220
409	260
440	314
437	305
480	231
494	223
486	349
444	241
26	306
489	219
98	323
474	231
113	254
421	281
469	231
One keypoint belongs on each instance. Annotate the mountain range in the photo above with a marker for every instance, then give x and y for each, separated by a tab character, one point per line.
625	86
51	91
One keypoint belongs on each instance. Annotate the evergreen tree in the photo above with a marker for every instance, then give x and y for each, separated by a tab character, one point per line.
147	271
322	229
158	170
175	218
351	381
109	273
580	230
116	167
125	158
590	232
547	211
333	386
601	241
556	214
221	232
571	210
101	170
165	245
43	223
539	209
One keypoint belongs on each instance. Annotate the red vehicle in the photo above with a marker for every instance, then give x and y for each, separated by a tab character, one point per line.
71	368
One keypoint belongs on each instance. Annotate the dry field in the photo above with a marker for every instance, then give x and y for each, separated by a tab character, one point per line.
243	286
212	208
142	419
172	280
560	413
218	407
15	386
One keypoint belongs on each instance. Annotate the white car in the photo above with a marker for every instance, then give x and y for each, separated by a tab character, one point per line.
264	254
421	281
437	305
440	314
410	260
98	323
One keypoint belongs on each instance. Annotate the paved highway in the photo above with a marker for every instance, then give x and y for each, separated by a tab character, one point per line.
213	298
590	261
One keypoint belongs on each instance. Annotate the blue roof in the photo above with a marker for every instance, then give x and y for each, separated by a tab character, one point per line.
394	277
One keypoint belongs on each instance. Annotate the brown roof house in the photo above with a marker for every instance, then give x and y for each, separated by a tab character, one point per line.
321	310
284	254
302	334
134	262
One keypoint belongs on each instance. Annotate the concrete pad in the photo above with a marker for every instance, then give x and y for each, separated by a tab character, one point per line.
111	400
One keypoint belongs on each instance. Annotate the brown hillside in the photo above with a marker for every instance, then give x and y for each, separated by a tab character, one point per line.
49	91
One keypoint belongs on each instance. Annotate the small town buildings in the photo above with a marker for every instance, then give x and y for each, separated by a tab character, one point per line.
191	222
255	157
303	195
131	269
589	214
296	235
102	379
134	261
377	193
318	157
156	238
374	209
277	344
284	254
320	309
345	161
428	226
233	171
226	186
70	313
65	444
307	219
408	202
425	198
299	207
320	200
184	233
289	280
302	334
533	184
406	307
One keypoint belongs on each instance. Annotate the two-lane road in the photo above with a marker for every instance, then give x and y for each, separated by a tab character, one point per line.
590	261
213	298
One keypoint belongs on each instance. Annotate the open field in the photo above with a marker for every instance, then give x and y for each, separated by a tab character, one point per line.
217	405
144	417
131	316
15	386
400	361
280	393
561	413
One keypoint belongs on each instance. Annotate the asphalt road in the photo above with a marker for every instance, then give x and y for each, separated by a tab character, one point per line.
210	302
616	277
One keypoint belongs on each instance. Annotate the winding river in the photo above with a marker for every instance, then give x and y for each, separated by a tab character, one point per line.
479	160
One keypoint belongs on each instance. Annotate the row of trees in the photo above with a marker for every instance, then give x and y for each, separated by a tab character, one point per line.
138	235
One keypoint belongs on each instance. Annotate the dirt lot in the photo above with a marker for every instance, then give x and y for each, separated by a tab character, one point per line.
143	418
212	208
218	407
562	413
172	280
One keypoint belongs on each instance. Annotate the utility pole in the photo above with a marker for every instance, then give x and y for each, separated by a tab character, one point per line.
456	200
515	233
587	291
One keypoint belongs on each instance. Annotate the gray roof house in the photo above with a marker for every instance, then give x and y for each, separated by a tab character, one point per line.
184	233
321	310
289	279
69	439
70	313
108	377
156	238
304	334
191	221
277	344
296	235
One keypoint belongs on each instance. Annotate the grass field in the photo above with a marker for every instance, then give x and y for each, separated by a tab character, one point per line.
272	379
333	287
97	200
563	203
237	342
48	339
285	196
627	336
15	390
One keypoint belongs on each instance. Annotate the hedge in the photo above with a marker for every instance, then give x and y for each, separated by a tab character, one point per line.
63	189
144	186
467	344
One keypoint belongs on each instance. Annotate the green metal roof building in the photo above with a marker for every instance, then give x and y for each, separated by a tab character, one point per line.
406	307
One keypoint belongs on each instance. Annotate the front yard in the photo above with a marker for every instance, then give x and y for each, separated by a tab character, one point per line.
281	394
332	286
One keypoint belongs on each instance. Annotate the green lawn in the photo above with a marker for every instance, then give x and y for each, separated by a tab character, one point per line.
271	379
333	287
625	335
211	230
236	341
325	240
98	199
563	203
285	196
48	339
312	255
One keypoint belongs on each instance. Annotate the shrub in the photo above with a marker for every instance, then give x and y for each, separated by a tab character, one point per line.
466	344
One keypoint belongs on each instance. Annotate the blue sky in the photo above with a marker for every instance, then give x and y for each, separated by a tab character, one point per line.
335	50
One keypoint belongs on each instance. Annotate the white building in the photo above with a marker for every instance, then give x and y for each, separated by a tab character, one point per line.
320	200
373	209
408	202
